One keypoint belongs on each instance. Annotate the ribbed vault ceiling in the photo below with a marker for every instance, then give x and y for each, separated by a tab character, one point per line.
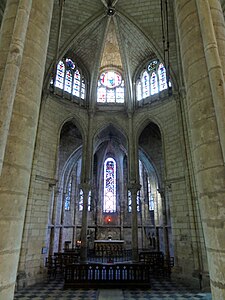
125	39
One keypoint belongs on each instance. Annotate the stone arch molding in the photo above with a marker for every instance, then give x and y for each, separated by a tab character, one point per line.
143	122
77	121
123	133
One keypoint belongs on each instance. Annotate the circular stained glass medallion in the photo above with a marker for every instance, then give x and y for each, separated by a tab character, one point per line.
111	79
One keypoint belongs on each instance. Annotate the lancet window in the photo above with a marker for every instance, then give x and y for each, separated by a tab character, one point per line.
110	87
153	79
69	79
109	201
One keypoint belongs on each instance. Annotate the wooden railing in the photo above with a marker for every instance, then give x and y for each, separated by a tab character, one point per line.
95	275
105	256
158	263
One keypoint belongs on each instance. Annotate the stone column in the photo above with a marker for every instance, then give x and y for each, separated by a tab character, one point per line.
213	62
199	63
164	217
86	188
134	188
15	177
86	175
12	69
134	185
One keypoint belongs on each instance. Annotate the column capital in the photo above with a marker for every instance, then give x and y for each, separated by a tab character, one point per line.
134	186
85	186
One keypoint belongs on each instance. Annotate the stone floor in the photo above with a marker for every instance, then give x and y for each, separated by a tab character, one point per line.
160	289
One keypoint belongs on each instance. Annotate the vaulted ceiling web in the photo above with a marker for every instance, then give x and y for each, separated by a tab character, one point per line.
111	53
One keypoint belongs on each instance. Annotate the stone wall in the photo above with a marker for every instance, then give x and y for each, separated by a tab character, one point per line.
55	112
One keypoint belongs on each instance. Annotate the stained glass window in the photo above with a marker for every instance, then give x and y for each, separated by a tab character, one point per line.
138	199
145	84
152	65
109	203
138	91
150	196
110	87
152	80
82	89
162	77
129	201
70	64
68	81
60	75
69	78
76	83
102	94
68	195
81	200
154	84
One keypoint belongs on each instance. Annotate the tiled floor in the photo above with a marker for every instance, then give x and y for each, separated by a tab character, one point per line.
160	290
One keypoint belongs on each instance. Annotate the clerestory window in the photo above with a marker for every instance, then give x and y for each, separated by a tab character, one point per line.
110	87
153	79
69	79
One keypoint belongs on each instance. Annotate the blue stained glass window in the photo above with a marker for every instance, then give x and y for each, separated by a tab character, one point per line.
60	75
151	203
68	81
152	65
81	201
82	89
145	84
110	87
154	84
138	199
68	195
76	83
109	203
152	81
129	201
70	63
162	77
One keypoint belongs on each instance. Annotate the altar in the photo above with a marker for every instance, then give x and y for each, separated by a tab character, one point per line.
109	245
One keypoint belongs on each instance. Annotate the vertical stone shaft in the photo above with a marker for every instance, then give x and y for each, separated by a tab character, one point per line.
134	186
134	189
11	74
86	177
214	66
6	32
202	113
83	254
15	178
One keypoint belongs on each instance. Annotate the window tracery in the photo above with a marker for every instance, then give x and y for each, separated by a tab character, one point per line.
69	79
110	87
152	80
109	201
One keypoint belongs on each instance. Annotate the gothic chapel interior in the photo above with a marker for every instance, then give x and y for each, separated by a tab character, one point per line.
112	126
